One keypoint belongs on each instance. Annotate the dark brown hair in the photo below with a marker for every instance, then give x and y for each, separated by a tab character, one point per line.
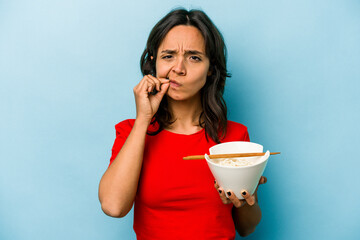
214	112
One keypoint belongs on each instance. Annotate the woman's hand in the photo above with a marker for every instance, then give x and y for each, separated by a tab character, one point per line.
233	199
147	104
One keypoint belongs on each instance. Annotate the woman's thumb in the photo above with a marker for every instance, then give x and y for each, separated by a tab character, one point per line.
163	88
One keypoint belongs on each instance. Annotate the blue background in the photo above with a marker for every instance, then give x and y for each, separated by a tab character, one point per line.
67	69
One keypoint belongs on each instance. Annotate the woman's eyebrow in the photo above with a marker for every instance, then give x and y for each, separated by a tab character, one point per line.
194	52
168	51
191	52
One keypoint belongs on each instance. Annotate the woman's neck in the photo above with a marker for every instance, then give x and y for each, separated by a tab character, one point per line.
186	115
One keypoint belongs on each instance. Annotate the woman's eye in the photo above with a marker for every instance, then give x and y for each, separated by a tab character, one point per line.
166	57
195	58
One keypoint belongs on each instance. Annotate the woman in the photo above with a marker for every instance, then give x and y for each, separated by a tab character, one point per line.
180	111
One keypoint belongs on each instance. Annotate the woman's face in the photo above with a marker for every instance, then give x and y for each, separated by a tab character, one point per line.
181	58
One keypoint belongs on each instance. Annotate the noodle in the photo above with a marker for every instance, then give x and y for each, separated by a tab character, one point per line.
233	162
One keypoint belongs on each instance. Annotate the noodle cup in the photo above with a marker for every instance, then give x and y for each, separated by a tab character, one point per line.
238	179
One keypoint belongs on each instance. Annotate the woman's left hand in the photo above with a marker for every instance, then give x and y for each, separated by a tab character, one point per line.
234	200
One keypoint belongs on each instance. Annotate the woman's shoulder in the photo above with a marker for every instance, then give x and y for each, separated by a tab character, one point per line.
125	124
236	132
236	126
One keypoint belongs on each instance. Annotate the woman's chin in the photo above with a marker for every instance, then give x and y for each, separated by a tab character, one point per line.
176	97
180	97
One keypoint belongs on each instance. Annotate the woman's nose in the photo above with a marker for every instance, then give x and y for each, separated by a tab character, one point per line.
179	67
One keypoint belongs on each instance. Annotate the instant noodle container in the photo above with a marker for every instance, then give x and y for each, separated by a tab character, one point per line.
240	178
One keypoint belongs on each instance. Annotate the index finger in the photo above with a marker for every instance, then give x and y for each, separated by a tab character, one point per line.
158	81
161	79
164	80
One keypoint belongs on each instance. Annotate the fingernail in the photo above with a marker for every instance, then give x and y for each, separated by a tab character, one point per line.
229	194
243	193
220	191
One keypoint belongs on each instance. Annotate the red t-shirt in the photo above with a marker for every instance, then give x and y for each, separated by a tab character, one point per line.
176	198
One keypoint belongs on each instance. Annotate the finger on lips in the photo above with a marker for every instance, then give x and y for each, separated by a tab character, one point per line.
157	82
142	86
151	88
151	81
164	80
164	87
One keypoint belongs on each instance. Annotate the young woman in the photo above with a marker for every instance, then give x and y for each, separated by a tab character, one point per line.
180	111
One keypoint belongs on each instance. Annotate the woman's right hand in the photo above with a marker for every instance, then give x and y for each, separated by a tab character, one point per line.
147	104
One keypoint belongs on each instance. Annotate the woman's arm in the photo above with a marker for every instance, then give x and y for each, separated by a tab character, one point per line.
118	185
246	218
246	213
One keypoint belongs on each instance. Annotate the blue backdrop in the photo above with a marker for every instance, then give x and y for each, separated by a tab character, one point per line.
67	69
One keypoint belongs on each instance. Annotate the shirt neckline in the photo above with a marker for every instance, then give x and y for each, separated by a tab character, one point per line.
180	134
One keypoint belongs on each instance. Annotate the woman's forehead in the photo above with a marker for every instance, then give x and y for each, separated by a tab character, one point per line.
183	38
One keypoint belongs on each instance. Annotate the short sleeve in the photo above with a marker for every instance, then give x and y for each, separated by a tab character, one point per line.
246	136
123	130
236	132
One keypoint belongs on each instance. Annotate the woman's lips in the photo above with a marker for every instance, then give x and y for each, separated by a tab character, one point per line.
174	83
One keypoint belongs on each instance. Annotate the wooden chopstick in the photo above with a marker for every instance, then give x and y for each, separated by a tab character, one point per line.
230	155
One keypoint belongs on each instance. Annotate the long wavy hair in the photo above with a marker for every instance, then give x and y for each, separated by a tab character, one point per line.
214	111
